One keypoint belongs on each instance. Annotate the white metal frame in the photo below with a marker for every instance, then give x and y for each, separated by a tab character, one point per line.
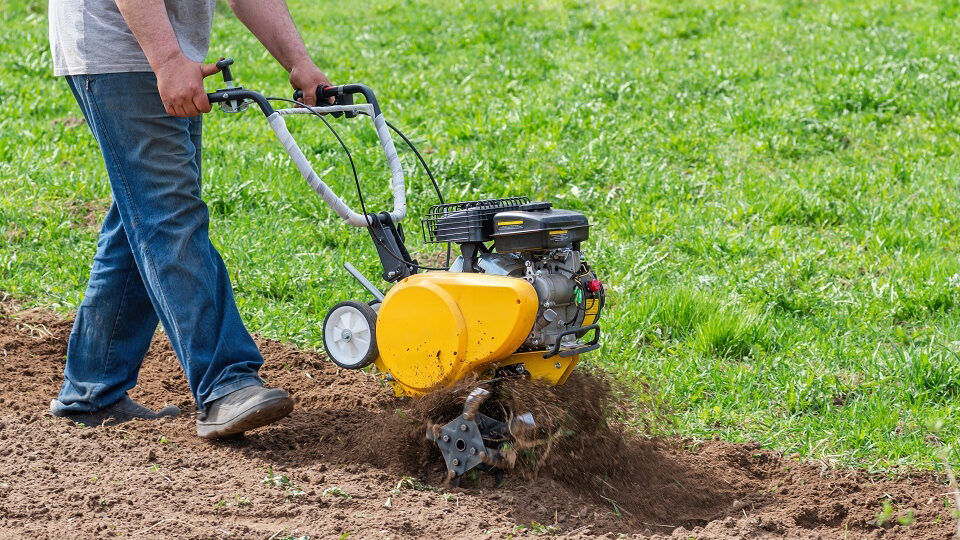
343	210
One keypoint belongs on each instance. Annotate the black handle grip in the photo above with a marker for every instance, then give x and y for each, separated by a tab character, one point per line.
239	94
324	93
344	96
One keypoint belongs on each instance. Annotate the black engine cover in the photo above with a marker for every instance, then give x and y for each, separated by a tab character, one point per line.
538	227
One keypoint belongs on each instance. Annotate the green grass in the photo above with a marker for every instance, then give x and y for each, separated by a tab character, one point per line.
773	190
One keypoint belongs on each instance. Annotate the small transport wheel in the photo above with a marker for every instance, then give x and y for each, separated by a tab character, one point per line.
350	335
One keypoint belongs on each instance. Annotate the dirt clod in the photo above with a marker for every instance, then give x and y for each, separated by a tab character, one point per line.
354	459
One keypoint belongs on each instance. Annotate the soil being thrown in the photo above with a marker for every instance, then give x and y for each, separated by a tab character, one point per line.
352	459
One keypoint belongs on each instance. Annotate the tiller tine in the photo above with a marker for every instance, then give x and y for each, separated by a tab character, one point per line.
474	439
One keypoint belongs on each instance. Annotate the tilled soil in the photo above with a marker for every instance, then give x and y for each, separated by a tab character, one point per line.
351	461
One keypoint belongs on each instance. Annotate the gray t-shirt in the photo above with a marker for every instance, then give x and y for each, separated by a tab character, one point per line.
91	36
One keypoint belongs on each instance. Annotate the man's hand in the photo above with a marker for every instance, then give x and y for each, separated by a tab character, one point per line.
180	81
308	77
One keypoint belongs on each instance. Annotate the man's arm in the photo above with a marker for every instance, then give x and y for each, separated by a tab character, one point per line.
270	22
179	79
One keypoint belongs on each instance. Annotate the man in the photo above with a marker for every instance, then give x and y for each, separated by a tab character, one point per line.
135	69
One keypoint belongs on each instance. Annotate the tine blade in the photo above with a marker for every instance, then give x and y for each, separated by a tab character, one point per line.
472	405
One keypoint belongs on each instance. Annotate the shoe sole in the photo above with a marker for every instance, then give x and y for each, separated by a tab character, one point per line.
256	416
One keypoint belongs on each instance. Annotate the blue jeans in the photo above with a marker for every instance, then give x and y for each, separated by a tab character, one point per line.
154	259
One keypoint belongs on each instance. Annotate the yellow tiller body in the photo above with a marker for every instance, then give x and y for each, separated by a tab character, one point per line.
436	328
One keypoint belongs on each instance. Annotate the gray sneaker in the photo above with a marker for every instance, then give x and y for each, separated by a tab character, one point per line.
122	411
242	410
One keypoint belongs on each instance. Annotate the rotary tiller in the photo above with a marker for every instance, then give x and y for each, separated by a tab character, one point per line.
519	300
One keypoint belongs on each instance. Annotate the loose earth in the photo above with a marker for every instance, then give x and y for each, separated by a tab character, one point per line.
351	461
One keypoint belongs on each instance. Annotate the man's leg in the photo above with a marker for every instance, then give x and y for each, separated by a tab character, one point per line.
153	163
112	330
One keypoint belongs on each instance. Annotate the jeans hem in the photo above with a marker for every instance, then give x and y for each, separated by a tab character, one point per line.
232	386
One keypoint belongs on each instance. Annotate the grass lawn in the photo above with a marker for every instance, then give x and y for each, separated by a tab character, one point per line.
773	190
